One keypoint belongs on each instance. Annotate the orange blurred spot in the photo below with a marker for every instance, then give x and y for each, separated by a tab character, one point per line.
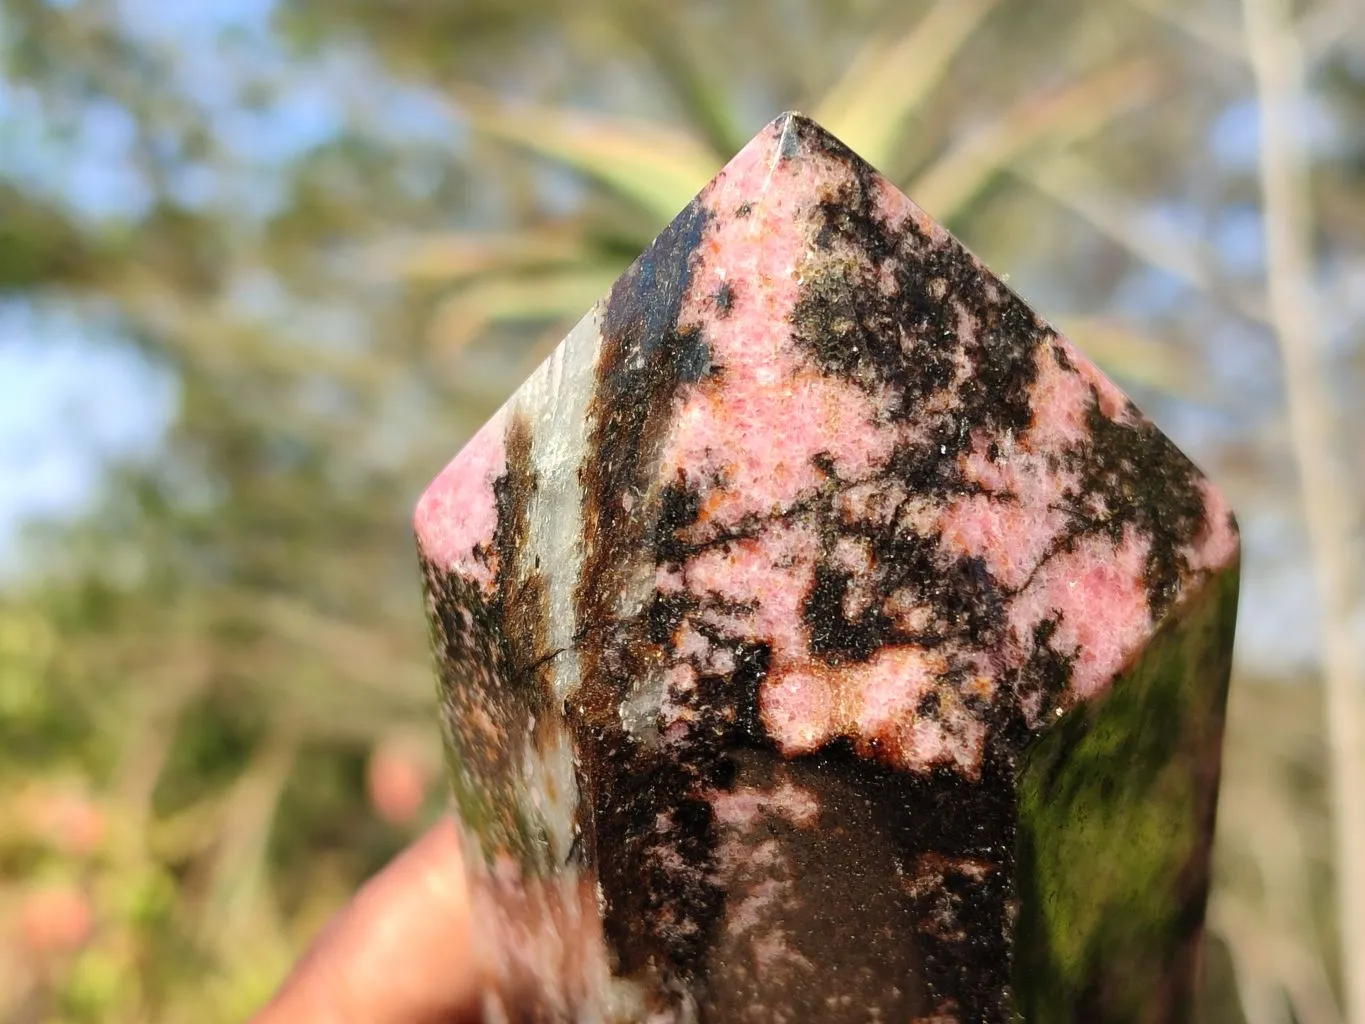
56	920
396	782
73	823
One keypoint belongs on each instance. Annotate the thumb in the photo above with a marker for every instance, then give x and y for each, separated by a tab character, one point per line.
398	953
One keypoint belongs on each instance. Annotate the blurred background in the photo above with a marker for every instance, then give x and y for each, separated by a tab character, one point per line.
265	264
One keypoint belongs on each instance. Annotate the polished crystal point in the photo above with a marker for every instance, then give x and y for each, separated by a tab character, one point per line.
822	637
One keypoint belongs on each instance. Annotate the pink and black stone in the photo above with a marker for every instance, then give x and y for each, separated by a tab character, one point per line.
823	638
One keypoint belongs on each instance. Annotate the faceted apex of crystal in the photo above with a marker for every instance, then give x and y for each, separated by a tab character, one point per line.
821	633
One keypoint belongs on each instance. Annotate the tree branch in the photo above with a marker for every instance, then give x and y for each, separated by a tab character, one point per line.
1277	63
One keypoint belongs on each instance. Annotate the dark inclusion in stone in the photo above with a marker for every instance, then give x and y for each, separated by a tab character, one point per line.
823	638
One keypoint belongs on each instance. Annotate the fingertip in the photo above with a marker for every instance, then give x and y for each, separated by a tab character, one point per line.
399	953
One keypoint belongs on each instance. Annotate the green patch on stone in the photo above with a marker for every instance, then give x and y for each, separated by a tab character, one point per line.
1116	805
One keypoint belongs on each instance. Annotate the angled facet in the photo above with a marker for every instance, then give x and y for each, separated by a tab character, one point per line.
824	638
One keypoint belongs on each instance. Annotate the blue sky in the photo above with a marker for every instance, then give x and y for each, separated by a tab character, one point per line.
72	398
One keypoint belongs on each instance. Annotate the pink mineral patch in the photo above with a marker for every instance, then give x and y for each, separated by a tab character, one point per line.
888	689
744	807
457	517
773	951
799	710
877	703
767	578
756	903
756	428
1061	399
1012	537
1113	402
1218	544
1097	589
888	720
898	208
761	438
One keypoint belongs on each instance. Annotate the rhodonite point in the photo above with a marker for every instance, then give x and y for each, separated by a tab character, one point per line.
822	637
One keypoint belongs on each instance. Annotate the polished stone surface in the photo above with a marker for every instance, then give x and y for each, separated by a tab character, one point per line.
823	637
